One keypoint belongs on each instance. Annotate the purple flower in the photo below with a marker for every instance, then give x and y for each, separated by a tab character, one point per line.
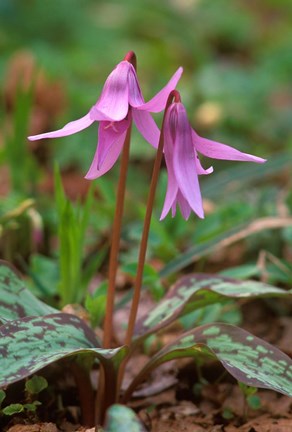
181	144
120	102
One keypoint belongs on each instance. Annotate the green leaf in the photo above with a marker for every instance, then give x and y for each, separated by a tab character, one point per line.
36	384
254	402
243	271
72	225
227	414
29	344
151	278
122	419
13	409
32	406
247	358
194	291
15	300
247	390
44	273
95	304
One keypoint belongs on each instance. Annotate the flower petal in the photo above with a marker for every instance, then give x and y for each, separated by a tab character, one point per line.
216	150
173	209
135	94
171	192
146	126
172	186
109	161
113	103
69	129
184	162
184	206
158	102
108	134
200	169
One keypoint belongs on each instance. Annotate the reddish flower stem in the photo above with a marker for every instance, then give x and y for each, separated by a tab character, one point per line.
116	232
86	394
108	381
144	240
115	245
106	394
105	391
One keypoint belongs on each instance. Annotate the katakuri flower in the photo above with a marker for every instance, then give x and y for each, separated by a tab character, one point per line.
181	147
120	102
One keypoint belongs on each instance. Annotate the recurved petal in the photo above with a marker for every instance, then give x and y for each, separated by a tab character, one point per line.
184	162
158	102
200	169
69	129
146	126
113	103
108	134
216	150
109	161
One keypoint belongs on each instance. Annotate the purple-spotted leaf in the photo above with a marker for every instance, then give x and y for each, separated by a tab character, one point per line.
247	358
16	301
29	344
195	291
120	418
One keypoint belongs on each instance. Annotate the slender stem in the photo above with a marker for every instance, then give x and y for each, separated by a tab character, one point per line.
108	380
105	396
146	227
116	233
86	394
143	244
101	390
145	235
103	386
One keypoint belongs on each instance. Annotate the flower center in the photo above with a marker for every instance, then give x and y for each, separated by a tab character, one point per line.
112	126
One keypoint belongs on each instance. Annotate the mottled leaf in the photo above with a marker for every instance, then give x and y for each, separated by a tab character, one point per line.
247	358
29	344
119	418
16	301
195	291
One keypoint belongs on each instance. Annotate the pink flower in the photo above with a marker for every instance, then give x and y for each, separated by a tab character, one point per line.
120	101
181	144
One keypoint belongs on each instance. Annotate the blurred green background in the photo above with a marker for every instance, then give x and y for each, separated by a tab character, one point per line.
236	86
236	56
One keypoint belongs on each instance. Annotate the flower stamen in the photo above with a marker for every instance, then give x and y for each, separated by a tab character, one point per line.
112	126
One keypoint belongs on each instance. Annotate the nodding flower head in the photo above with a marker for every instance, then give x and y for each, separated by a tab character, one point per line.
120	102
181	147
